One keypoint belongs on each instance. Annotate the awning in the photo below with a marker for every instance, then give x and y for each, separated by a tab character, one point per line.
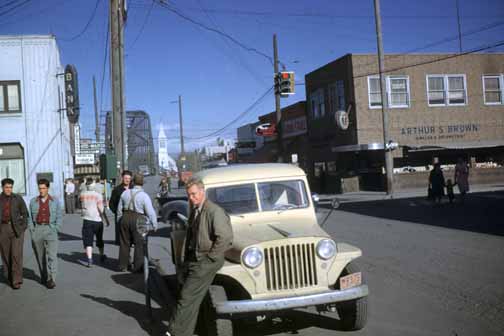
456	145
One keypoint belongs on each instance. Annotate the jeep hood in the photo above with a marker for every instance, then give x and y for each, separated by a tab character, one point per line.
250	234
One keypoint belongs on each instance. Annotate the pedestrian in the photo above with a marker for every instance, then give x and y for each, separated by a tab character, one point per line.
92	223
437	183
462	178
449	190
126	184
134	203
13	223
209	236
46	220
107	193
99	187
69	196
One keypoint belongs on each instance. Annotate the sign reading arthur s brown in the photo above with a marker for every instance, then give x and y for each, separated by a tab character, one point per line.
455	131
71	94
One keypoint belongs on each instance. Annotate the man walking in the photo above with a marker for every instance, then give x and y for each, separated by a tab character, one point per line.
134	203
116	197
92	225
46	219
13	223
69	196
209	236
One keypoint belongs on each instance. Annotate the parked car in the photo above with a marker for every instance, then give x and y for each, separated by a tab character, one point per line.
281	259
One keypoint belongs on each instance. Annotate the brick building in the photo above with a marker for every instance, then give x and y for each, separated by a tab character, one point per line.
440	107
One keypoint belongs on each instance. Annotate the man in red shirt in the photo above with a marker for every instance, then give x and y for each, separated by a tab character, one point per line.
13	223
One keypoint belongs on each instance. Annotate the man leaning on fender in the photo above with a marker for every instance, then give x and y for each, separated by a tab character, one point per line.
209	235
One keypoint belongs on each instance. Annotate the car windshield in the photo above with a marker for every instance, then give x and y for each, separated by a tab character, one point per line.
278	195
282	195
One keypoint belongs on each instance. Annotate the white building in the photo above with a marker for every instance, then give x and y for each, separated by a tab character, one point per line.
34	136
164	160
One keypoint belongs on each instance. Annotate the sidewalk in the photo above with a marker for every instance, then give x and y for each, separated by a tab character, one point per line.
85	302
365	196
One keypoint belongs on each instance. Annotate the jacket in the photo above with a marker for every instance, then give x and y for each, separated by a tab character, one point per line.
55	213
19	214
116	197
214	233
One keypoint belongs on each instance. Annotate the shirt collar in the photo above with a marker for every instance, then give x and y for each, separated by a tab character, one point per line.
48	198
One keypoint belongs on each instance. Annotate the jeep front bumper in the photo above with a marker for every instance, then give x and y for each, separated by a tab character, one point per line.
249	306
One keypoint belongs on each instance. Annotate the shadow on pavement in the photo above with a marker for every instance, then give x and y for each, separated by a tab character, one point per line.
481	212
79	257
137	311
27	274
68	237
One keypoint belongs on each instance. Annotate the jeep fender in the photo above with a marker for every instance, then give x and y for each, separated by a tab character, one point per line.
171	209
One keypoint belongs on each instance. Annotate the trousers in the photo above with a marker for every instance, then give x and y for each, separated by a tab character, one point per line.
45	246
70	203
128	234
198	277
11	249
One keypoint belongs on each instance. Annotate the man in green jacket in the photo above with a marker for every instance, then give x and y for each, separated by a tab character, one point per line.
209	235
46	217
13	223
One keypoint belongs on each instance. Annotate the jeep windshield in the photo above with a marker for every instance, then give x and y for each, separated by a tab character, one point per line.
263	196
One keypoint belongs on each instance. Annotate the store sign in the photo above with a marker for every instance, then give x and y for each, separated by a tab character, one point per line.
293	127
246	144
267	129
84	159
77	139
71	94
342	120
445	132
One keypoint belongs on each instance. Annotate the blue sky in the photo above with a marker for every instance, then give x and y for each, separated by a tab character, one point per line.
218	79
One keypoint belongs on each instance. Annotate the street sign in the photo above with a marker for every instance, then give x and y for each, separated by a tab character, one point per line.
84	159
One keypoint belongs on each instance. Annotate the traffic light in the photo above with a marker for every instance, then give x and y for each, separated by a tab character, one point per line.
284	83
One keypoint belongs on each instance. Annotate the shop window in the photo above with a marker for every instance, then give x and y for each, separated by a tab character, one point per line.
12	166
445	90
318	167
492	89
398	91
10	97
317	104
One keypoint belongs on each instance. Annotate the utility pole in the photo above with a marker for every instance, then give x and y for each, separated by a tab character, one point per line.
458	25
117	72
182	151
389	162
97	117
277	102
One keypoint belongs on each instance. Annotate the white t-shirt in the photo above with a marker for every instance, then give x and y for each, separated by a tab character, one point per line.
92	205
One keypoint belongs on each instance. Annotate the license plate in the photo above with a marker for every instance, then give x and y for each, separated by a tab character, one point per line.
351	280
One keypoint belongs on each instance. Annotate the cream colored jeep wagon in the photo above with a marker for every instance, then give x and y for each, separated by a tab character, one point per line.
281	258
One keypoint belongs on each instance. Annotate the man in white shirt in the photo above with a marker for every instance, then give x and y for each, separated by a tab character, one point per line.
92	212
69	196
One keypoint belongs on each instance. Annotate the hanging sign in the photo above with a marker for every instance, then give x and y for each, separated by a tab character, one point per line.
71	94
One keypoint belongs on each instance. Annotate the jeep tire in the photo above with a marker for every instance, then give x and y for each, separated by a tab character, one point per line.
215	325
352	314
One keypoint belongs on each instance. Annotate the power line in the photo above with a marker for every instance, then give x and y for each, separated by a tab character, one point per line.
241	115
104	66
201	25
13	8
8	4
93	14
143	25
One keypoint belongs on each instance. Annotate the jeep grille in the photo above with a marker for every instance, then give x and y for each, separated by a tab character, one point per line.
290	266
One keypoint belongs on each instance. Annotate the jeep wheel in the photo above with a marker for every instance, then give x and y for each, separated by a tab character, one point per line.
353	314
215	325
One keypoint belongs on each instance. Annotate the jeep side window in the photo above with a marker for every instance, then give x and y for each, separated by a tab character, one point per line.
238	199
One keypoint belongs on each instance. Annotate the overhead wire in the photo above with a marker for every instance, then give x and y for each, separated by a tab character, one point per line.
7	4
86	26
7	11
146	19
104	69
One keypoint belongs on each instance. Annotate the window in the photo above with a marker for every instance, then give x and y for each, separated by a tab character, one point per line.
12	166
337	96
374	92
10	97
317	104
492	89
398	91
446	90
238	199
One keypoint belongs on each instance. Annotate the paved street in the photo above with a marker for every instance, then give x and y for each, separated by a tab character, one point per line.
432	270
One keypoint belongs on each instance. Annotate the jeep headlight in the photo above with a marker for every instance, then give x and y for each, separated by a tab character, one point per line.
326	249
252	257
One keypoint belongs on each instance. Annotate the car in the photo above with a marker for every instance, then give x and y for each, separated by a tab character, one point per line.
281	258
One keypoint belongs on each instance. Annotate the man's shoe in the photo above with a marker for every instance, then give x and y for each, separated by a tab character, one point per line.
16	286
51	284
103	258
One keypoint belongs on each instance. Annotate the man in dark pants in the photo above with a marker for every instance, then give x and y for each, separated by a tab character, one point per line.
209	236
116	197
134	203
13	223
